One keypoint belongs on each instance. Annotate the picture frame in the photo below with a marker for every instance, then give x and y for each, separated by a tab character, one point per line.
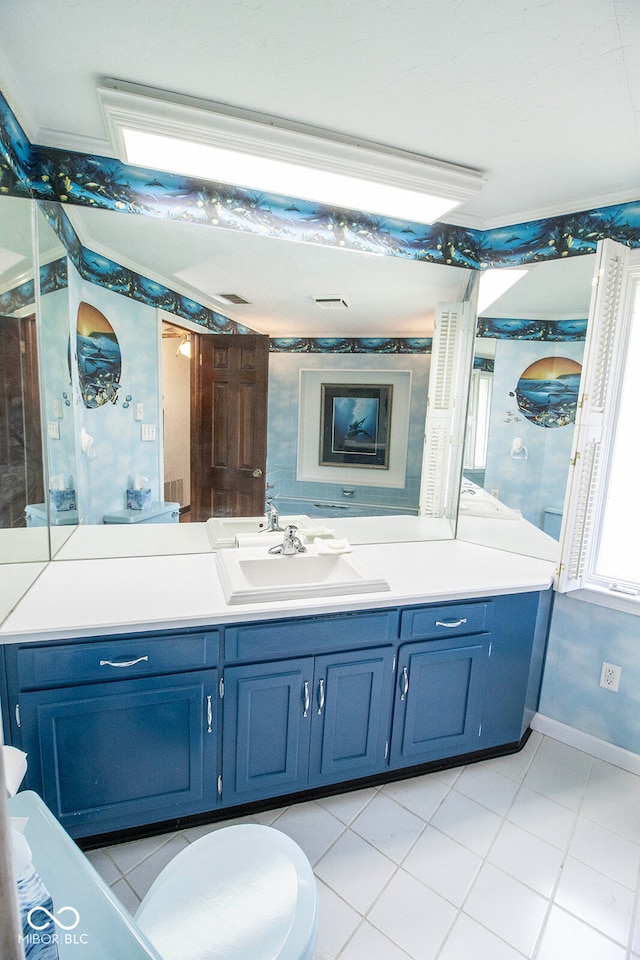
355	424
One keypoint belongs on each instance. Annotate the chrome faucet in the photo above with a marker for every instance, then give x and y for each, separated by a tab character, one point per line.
291	544
273	518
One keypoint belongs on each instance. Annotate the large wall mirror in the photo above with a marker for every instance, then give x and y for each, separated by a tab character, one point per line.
523	396
114	366
21	463
354	323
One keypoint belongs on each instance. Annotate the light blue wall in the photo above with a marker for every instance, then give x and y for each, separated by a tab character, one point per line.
539	481
282	428
119	450
56	382
582	636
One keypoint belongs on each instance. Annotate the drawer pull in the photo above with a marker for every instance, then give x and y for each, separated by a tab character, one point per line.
405	683
320	697
306	699
451	623
122	663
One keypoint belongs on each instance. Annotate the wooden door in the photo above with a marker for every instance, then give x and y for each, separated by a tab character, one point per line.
229	425
21	473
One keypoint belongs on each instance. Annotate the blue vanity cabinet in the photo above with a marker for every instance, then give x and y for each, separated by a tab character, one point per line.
351	715
266	729
295	724
107	753
441	679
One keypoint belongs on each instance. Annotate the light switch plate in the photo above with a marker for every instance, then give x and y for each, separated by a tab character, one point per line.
147	431
53	430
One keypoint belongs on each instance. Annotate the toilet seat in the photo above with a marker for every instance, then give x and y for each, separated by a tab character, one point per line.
239	893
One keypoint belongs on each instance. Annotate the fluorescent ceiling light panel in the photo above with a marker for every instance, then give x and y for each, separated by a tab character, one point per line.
211	141
493	283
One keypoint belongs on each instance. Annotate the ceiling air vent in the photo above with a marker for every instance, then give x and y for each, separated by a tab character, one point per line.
331	303
231	298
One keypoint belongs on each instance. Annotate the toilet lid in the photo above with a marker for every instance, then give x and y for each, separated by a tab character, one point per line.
239	893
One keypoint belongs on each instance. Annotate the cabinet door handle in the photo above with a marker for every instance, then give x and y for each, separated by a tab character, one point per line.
209	715
405	683
450	623
306	699
122	663
320	697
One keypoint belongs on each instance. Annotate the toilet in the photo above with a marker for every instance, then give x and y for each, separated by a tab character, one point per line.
245	892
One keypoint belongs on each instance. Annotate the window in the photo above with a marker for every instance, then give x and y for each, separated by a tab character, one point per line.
601	530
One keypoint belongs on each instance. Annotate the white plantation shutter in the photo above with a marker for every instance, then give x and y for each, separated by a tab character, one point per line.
451	355
594	416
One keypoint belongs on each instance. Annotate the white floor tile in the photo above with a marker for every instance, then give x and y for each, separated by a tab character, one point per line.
443	864
347	806
543	817
514	766
389	827
612	798
129	900
513	912
567	938
142	876
443	825
370	944
529	859
312	827
411	915
420	795
598	900
337	923
606	851
355	870
559	772
469	940
104	865
488	787
128	855
468	822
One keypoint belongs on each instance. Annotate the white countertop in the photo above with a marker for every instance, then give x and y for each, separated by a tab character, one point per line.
77	597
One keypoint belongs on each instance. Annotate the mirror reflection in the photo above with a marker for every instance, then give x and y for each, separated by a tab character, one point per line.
136	421
523	397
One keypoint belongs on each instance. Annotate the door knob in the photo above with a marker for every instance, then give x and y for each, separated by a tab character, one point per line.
257	472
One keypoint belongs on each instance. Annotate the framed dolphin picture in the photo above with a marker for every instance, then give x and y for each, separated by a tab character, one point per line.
355	423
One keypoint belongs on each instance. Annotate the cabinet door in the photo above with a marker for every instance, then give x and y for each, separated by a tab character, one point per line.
351	713
266	724
439	699
114	755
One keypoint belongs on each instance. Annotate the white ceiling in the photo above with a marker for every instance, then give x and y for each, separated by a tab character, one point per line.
542	97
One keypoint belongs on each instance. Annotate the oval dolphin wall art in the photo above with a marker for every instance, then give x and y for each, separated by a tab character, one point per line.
99	357
547	391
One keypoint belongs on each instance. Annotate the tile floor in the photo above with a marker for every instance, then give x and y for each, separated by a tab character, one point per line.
534	855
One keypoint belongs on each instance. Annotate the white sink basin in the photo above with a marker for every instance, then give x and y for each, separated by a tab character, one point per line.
222	531
253	574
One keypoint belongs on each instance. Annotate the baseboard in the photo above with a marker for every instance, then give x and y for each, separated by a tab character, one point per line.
601	749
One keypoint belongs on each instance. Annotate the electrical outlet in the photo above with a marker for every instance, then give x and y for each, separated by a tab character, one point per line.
610	676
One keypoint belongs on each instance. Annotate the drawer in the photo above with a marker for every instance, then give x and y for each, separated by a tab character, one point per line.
446	620
310	635
115	659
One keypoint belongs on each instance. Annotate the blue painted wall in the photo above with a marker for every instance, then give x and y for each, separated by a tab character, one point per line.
582	636
282	426
539	481
119	450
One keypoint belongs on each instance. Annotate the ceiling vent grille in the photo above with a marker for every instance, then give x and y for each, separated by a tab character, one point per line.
231	298
331	303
